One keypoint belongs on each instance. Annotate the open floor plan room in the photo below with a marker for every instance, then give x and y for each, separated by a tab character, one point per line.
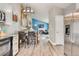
39	29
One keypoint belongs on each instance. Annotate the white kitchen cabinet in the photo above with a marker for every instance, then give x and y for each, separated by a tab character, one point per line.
15	44
77	6
56	29
56	26
59	29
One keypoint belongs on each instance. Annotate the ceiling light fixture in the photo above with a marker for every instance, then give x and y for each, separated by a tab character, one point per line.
29	10
32	11
24	10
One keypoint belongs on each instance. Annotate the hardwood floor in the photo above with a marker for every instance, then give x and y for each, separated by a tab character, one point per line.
44	48
37	51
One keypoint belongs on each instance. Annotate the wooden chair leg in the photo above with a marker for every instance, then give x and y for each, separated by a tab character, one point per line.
25	44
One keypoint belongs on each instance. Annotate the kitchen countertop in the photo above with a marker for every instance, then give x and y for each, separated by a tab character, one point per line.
3	37
8	35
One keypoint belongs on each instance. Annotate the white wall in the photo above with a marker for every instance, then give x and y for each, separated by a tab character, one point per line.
70	8
52	26
10	9
41	15
40	11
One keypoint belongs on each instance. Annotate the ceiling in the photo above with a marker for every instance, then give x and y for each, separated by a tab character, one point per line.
37	5
41	9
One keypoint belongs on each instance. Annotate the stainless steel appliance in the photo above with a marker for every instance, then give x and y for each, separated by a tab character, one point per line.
5	47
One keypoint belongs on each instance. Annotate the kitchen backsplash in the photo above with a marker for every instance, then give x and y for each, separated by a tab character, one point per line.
10	29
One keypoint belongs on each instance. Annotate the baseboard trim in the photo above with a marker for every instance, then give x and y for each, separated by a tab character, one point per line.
54	47
55	43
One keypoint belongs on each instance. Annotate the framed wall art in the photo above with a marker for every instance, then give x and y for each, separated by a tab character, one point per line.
14	18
